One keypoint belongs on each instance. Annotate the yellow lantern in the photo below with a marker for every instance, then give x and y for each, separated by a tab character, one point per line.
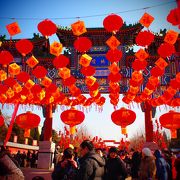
113	42
114	69
32	61
90	80
9	93
134	90
3	75
85	60
14	69
46	81
17	88
29	84
78	28
56	48
64	72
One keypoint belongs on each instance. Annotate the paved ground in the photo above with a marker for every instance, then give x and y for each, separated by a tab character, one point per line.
29	173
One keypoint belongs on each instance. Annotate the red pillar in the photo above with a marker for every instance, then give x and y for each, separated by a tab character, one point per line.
48	123
148	122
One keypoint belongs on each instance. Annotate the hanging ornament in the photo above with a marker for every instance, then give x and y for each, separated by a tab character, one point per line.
82	44
6	58
13	29
146	20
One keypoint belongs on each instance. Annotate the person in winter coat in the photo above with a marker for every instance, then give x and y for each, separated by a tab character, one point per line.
115	167
91	163
161	166
9	169
66	169
147	168
135	163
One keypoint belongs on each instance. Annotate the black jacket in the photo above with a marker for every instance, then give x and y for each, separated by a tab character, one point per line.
91	167
115	169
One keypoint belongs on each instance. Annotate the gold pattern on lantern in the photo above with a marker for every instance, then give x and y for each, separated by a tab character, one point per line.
14	69
32	61
146	20
85	60
3	75
113	42
64	72
141	54
171	37
29	84
78	28
56	48
161	63
46	81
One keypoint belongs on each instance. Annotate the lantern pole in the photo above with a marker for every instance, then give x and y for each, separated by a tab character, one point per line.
48	123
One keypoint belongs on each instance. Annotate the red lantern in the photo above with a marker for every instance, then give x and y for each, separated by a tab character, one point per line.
114	55
23	76
114	77
60	61
5	57
24	46
113	23
123	117
10	82
174	17
166	50
139	65
144	38
47	28
69	81
27	120
1	120
72	117
171	121
36	89
82	44
88	71
156	71
39	72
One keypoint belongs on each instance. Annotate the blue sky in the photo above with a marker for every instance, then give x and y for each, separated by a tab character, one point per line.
29	13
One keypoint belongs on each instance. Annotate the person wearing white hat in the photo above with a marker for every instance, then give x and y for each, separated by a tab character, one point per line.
147	166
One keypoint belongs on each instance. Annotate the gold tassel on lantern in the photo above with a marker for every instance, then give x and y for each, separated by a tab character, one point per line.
124	130
72	130
27	133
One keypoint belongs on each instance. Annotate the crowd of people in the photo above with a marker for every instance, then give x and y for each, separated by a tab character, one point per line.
89	163
96	164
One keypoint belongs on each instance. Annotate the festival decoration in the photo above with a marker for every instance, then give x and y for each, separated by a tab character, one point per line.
5	58
123	117
72	117
32	62
13	29
56	48
171	121
3	75
39	72
171	37
166	50
82	44
146	20
1	120
78	28
113	23
60	61
47	28
174	17
14	69
24	46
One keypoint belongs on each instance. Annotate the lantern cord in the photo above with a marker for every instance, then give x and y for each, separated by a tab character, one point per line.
90	16
11	124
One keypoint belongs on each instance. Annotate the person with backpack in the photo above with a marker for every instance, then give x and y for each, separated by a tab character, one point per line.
66	169
91	163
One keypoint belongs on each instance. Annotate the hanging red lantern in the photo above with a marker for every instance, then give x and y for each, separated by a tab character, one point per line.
10	82
114	55
1	120
114	77
144	38
39	71
24	46
69	81
175	84
82	44
113	23
94	87
23	76
139	65
88	71
60	61
47	28
72	117
123	117
36	89
156	71
174	17
27	120
171	120
5	58
166	50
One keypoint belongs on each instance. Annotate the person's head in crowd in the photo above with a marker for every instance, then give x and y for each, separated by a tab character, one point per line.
85	147
113	152
68	153
99	151
147	152
157	153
